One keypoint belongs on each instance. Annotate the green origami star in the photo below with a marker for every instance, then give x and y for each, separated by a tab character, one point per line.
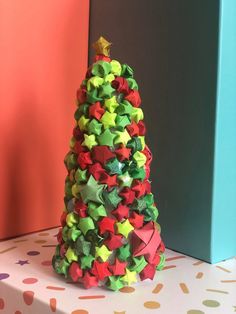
139	264
80	175
115	283
82	246
122	121
125	179
125	108
106	138
96	211
94	127
86	261
106	90
124	252
114	166
111	104
92	191
85	224
112	199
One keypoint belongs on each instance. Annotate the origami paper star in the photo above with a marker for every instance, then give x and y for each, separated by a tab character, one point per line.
146	240
125	108
139	187
80	175
114	241
106	138
109	180
89	280
118	268
125	179
121	85
94	127
93	96
106	224
80	208
84	159
63	267
139	204
100	270
96	170
73	233
140	158
148	272
82	246
122	211
128	195
135	144
134	98
137	114
115	67
122	122
114	166
111	104
96	111
109	77
102	154
75	271
92	191
95	81
142	128
124	228
123	153
138	173
108	119
89	141
106	90
115	283
102	46
136	220
102	252
85	224
129	277
86	261
96	211
71	219
132	83
122	137
71	255
127	71
124	252
101	68
139	264
82	123
112	199
133	129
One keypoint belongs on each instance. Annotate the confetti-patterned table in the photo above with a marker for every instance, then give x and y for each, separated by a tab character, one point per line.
185	286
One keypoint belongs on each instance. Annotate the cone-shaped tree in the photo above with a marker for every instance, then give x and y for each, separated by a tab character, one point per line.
109	233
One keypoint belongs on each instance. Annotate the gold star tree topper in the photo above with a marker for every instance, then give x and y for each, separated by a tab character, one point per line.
102	47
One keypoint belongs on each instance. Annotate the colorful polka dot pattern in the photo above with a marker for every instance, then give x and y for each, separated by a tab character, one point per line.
198	288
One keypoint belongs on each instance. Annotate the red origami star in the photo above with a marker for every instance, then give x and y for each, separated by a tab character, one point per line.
89	280
107	179
128	195
102	154
123	153
121	85
136	220
146	240
81	95
142	128
118	268
96	170
139	188
81	208
75	271
96	110
106	224
114	241
100	270
148	272
122	211
133	129
84	159
134	98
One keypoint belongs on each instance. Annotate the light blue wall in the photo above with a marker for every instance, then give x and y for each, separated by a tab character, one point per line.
224	188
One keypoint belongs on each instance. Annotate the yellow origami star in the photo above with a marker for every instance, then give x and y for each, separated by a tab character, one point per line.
142	139
102	252
109	77
137	114
129	277
140	158
71	219
108	119
70	255
82	123
111	104
115	67
89	141
124	228
102	46
95	81
122	137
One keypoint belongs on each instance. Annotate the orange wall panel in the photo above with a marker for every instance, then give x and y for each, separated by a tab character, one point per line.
43	58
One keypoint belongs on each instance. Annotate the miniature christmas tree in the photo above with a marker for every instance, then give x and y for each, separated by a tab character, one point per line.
109	235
